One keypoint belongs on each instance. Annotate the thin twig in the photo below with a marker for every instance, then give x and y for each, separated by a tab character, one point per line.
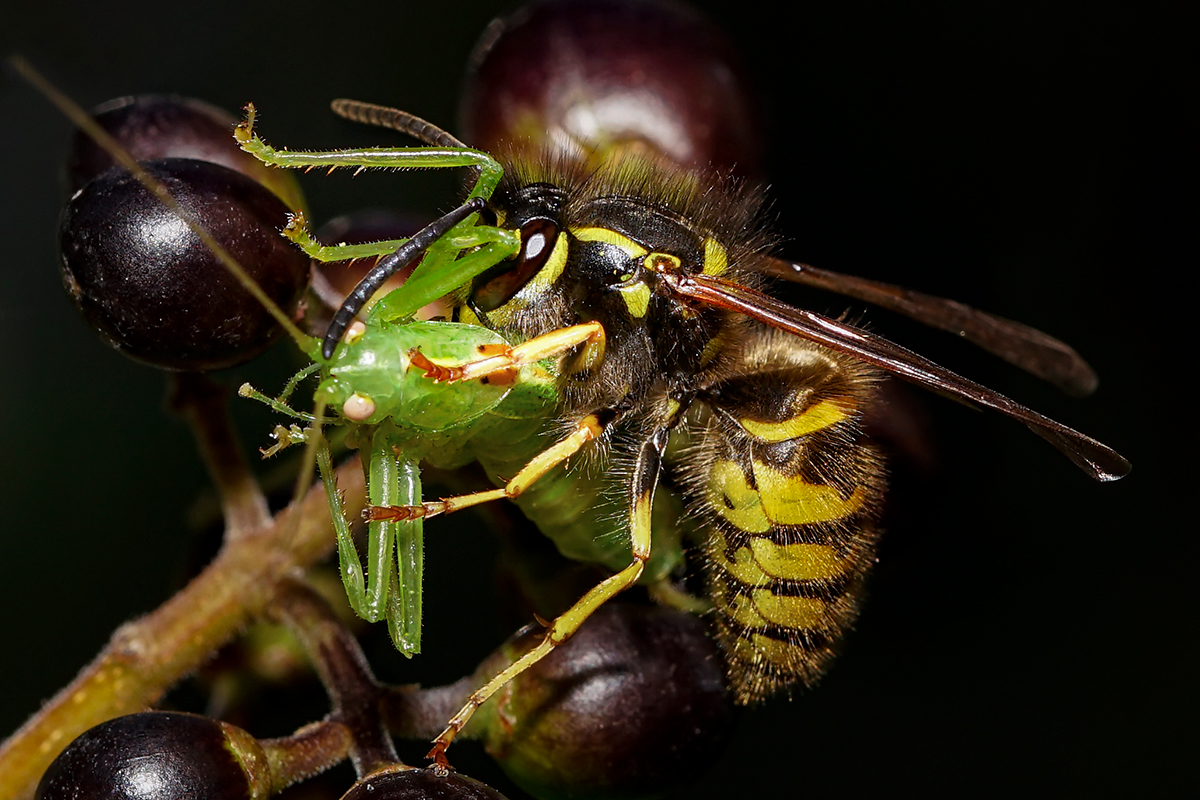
339	661
202	402
146	657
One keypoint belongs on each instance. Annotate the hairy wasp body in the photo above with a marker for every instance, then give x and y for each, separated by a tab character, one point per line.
635	283
782	491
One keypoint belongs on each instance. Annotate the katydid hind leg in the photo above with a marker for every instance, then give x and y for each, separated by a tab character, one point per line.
395	549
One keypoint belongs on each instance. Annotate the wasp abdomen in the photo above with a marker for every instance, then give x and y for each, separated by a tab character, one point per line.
790	491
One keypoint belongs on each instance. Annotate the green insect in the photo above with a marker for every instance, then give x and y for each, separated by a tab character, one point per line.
611	305
403	388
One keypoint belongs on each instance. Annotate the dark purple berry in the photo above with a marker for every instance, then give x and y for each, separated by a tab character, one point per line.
634	704
157	126
159	755
408	783
152	288
578	77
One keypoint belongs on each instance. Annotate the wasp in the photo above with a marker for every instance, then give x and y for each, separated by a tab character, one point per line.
635	292
694	428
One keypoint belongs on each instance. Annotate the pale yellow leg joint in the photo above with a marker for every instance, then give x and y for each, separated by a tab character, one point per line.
547	345
589	428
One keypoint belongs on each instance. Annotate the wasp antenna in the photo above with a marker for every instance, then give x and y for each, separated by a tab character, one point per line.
396	120
83	120
389	266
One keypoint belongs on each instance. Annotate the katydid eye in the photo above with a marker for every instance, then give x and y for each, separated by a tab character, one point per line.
502	282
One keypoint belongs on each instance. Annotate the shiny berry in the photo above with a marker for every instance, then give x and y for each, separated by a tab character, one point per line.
633	705
156	126
408	783
149	285
579	77
158	755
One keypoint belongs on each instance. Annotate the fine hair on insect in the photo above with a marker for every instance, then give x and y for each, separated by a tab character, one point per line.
611	349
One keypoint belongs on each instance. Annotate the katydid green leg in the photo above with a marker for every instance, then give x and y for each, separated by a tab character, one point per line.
394	586
295	381
348	561
340	252
490	170
302	237
280	403
437	276
441	271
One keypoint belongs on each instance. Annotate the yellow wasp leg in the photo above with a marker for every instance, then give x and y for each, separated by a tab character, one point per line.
547	345
506	362
589	428
645	478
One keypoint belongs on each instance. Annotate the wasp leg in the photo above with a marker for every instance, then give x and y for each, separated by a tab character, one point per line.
645	478
589	428
545	346
665	592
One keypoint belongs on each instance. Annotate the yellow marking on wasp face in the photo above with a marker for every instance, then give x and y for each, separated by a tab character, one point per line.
788	611
790	500
609	236
814	418
468	317
715	259
636	297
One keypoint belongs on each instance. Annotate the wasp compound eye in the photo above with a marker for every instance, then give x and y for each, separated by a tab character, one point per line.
500	284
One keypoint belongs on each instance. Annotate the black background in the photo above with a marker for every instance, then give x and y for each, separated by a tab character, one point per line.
1027	629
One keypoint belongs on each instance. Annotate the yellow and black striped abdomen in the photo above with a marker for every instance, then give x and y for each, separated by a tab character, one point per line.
789	492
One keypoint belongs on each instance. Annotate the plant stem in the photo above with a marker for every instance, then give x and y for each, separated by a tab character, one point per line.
353	690
144	658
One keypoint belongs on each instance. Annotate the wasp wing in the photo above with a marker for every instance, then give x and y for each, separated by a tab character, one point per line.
1020	345
1098	460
